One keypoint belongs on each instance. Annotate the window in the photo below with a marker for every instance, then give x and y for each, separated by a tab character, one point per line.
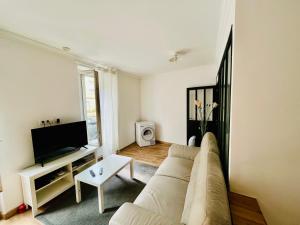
0	185
91	105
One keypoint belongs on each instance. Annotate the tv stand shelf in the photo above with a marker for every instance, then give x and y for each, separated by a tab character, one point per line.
66	175
43	183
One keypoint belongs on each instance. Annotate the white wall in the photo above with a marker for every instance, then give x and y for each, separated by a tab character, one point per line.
1	202
129	108
226	22
163	100
35	84
265	147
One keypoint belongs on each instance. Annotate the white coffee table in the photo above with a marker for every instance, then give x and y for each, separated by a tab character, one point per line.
111	166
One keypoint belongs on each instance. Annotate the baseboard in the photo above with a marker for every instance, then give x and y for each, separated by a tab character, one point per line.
126	146
163	142
9	214
157	142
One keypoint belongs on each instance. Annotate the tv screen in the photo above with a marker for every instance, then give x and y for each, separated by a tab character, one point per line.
50	142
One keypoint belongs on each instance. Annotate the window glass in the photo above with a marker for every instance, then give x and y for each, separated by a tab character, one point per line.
200	96
192	110
89	92
209	104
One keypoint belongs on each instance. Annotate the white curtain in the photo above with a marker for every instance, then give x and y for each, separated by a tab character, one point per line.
108	85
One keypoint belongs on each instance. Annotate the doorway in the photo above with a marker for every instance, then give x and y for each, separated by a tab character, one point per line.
207	95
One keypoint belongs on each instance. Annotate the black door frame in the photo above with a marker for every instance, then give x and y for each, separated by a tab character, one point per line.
192	124
224	79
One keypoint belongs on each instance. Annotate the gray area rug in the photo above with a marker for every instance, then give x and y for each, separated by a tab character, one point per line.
120	189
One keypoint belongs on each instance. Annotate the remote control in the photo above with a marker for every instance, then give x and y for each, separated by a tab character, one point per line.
92	173
101	171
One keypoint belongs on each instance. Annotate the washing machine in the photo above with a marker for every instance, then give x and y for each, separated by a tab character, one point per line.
145	133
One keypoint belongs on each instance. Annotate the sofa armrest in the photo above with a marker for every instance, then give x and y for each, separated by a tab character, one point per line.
131	214
183	151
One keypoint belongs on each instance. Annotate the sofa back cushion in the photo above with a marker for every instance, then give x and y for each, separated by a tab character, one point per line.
209	143
190	190
206	201
210	203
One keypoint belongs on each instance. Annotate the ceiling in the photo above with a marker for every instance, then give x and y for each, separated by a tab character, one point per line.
137	36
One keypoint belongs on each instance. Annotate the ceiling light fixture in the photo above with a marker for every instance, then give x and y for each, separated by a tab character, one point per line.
177	54
66	49
174	58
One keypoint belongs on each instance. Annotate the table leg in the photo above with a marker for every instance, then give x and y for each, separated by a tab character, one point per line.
35	211
131	169
100	199
78	191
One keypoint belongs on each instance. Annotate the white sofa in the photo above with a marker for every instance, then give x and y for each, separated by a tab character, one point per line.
188	188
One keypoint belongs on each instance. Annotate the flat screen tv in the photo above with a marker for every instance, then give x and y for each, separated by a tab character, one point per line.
51	142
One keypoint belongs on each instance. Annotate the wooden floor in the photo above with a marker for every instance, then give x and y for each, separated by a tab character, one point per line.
153	155
244	210
21	219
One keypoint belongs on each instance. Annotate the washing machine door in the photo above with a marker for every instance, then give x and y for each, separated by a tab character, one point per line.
147	134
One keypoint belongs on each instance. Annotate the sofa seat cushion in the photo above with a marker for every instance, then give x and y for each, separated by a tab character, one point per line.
176	167
131	214
165	196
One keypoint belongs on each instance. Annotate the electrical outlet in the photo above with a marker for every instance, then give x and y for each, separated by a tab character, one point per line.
48	123
42	123
55	121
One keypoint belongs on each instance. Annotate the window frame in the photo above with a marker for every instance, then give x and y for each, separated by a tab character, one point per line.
93	74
